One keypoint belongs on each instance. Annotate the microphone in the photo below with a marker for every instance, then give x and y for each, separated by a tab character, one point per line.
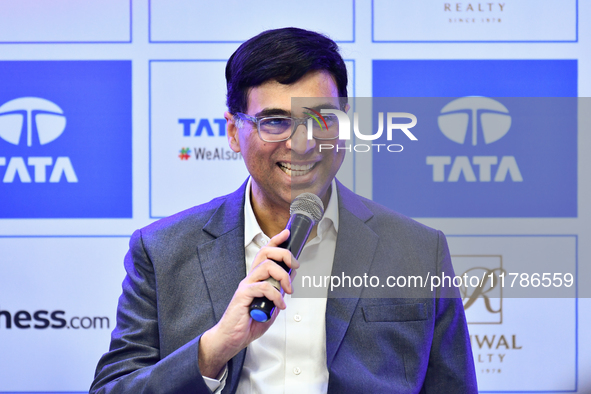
306	210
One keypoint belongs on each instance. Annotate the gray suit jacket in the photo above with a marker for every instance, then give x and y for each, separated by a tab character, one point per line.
182	272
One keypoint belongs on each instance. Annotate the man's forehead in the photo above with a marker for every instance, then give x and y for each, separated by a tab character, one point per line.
317	87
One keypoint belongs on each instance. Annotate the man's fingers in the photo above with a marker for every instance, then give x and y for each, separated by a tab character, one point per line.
270	269
265	264
265	289
277	254
279	238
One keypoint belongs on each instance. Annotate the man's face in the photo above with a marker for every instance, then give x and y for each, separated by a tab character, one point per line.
282	170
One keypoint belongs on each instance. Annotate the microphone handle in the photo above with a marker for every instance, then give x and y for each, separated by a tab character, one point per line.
299	226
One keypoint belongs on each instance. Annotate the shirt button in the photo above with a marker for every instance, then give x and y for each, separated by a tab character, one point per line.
297	371
297	318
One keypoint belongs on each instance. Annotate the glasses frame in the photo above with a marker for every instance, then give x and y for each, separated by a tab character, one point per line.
296	123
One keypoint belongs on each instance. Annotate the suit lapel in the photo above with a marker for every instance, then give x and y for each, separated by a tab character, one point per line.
356	245
222	258
223	264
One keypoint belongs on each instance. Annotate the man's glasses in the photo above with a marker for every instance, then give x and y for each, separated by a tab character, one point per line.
282	128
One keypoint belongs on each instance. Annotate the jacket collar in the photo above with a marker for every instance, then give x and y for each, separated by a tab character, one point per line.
222	263
229	215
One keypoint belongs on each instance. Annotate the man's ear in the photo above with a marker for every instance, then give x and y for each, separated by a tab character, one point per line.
232	132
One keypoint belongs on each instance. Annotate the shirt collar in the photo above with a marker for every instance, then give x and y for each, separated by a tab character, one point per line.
330	218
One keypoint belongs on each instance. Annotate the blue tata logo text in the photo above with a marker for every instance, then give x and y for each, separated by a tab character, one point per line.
65	139
205	127
487	146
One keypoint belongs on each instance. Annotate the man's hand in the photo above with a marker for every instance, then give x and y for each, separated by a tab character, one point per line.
237	329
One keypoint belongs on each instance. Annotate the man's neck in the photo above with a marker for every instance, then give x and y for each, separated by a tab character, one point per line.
273	218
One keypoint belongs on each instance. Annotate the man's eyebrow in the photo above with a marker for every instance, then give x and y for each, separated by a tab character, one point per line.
323	106
272	112
283	112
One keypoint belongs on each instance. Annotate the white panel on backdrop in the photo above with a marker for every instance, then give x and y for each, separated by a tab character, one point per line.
238	20
190	160
508	20
509	333
65	21
58	297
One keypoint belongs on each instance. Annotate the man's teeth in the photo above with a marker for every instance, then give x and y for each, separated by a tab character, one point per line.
296	169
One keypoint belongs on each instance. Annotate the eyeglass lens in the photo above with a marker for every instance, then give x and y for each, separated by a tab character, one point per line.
280	128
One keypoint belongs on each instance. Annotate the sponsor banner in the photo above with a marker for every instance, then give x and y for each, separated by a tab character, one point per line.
474	21
515	344
190	159
480	153
56	317
39	21
65	149
185	20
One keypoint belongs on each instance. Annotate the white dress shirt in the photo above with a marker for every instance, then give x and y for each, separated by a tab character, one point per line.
291	356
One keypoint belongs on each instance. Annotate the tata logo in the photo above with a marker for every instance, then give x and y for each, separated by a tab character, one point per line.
204	126
481	113
486	148
44	122
35	114
60	157
491	115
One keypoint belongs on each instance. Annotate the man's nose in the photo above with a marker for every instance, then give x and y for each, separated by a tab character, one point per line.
299	142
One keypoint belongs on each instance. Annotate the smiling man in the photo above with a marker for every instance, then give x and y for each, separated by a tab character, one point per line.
285	166
183	323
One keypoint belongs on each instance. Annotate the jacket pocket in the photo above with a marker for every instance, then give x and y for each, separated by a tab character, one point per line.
395	313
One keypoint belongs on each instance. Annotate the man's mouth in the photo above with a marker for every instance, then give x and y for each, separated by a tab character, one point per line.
296	169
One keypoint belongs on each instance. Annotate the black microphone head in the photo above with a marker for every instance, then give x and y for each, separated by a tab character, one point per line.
308	204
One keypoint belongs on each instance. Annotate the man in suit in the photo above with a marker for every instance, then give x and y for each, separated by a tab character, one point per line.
183	324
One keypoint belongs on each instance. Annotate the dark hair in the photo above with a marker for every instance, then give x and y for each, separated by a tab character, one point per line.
284	55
